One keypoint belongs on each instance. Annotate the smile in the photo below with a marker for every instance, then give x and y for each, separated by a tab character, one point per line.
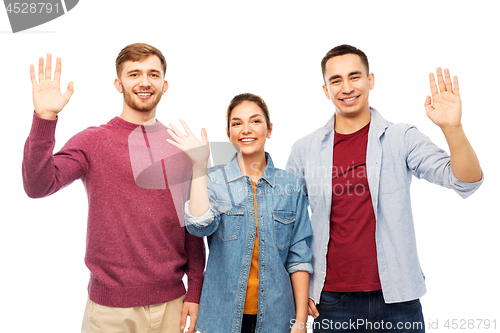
350	99
247	140
144	94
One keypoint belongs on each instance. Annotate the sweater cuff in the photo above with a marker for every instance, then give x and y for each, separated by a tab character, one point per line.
42	127
193	294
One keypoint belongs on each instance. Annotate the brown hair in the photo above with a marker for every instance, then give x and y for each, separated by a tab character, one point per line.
342	50
138	52
238	99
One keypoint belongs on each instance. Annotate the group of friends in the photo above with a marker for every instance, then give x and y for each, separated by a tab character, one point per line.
331	237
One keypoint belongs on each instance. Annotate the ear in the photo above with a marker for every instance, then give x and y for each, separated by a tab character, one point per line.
325	90
118	86
371	79
165	87
269	130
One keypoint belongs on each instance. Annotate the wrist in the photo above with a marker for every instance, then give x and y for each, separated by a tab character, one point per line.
46	115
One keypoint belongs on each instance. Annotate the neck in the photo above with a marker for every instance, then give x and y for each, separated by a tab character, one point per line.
348	125
252	165
138	117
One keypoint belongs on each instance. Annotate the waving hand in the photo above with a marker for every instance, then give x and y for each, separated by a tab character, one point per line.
445	106
47	97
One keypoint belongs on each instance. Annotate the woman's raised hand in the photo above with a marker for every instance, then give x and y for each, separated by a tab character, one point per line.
198	151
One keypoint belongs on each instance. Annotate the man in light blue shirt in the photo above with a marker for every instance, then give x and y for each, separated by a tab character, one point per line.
394	153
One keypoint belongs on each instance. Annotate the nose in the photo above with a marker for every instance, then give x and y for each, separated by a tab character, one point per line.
347	87
246	128
144	82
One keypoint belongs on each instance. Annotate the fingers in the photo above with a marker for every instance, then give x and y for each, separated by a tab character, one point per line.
32	75
40	69
48	67
177	132
186	127
69	91
312	310
57	73
444	83
456	89
432	82
447	80
441	84
183	317
174	136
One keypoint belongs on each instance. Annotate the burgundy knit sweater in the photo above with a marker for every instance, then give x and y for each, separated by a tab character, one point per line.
137	248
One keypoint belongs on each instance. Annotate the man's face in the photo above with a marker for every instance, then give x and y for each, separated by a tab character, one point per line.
348	85
142	83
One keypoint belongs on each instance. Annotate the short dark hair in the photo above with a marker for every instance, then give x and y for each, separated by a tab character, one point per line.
238	99
342	50
138	52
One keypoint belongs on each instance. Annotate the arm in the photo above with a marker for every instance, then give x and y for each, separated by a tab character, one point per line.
300	285
445	110
43	173
198	151
195	250
299	259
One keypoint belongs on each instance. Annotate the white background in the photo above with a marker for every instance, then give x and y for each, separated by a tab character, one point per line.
215	50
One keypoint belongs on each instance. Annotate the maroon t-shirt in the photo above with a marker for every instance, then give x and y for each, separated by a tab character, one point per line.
352	254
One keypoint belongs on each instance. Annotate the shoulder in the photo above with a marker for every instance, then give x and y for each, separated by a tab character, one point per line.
216	174
287	179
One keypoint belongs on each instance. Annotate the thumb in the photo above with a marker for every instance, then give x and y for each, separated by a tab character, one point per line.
204	137
69	91
184	314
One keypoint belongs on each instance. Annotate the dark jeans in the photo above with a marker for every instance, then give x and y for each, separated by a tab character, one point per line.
248	323
367	312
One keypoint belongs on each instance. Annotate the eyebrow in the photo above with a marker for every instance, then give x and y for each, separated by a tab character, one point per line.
138	71
252	116
334	77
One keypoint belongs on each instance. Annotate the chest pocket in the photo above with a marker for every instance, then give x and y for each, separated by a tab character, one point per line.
283	227
229	227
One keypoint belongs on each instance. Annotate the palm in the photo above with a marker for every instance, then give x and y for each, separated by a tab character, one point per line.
47	97
198	151
445	107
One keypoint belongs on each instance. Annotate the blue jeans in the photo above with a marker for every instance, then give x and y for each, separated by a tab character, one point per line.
367	312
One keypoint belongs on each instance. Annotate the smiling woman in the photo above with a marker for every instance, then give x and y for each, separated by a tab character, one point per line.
256	220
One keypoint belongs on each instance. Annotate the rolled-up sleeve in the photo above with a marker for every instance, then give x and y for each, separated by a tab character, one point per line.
299	254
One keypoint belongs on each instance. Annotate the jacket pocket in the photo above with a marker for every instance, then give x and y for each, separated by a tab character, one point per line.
229	227
283	227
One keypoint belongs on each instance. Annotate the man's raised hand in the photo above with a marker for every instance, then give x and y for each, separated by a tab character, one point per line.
47	97
445	106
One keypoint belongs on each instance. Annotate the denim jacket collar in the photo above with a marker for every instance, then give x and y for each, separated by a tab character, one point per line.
233	171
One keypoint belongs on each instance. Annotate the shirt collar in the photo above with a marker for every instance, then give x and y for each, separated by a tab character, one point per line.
233	172
377	122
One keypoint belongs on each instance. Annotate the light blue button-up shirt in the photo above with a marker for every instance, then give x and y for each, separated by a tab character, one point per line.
394	153
284	232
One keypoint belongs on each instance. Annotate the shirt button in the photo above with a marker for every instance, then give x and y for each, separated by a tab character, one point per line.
323	273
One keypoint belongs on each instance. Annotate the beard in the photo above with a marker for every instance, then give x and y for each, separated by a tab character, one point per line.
137	104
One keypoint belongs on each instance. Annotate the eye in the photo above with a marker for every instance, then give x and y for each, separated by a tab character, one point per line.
335	82
155	75
355	77
236	123
257	121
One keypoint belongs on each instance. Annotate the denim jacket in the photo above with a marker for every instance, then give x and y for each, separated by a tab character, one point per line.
284	232
394	154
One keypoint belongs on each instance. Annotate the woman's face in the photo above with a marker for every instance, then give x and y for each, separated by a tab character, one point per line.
248	129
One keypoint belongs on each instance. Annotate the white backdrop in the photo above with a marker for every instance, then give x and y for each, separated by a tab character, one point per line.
215	50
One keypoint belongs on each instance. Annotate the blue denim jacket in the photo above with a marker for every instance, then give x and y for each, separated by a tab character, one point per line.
394	154
284	232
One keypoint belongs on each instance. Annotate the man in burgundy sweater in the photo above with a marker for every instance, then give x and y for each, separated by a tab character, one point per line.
137	248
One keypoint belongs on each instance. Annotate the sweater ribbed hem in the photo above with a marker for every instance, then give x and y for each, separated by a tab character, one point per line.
127	297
